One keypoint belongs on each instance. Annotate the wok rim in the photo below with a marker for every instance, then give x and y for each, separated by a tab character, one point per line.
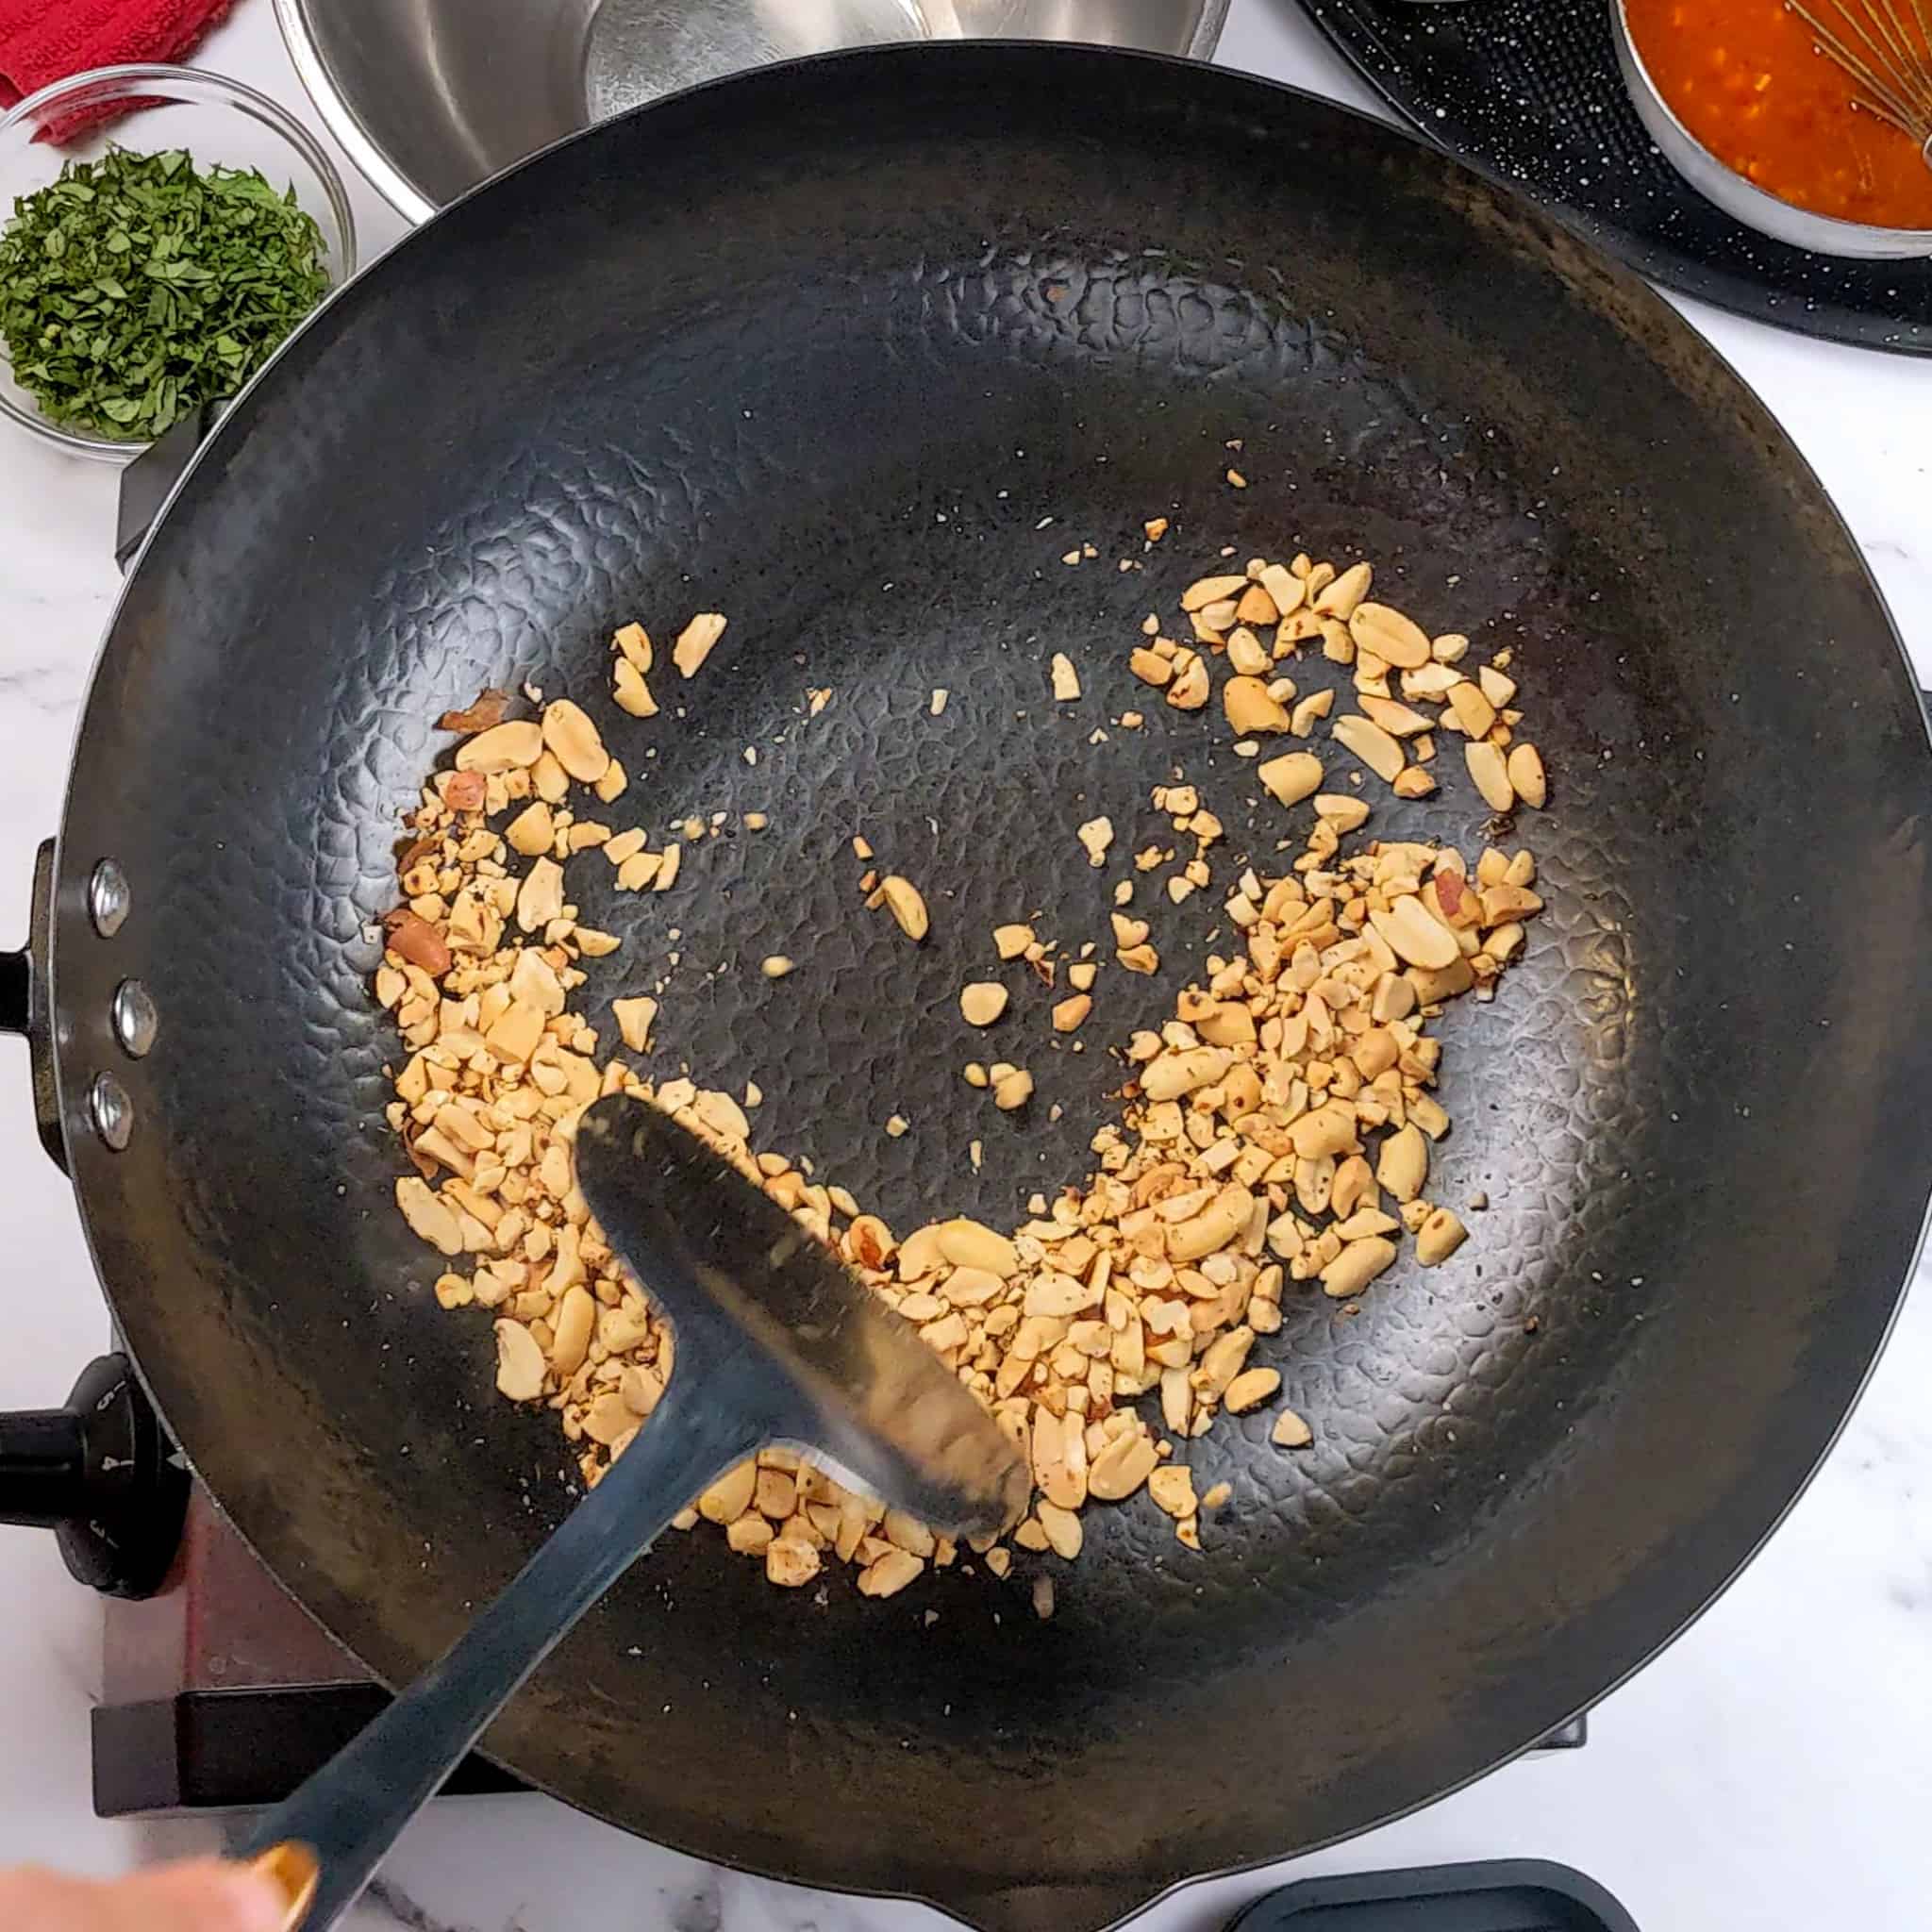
979	1907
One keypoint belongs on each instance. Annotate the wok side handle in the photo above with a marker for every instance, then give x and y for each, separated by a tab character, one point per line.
23	1006
149	480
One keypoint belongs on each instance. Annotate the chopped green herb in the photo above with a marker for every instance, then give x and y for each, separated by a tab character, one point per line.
138	287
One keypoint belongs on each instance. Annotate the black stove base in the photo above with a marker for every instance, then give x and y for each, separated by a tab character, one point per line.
242	1750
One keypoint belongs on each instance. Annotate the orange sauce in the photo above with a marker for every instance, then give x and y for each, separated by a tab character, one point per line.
1750	80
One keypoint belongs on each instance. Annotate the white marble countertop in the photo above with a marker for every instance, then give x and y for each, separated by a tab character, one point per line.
1772	1770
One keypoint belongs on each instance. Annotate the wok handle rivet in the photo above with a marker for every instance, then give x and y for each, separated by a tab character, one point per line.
108	898
136	1018
111	1110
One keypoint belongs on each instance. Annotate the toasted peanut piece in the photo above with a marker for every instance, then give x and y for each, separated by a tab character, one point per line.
982	1002
1182	1070
429	1216
1062	1527
1439	1236
1491	776
1412	782
573	739
508	747
1504	905
1290	1431
632	693
1524	771
532	830
1393	637
1068	1013
1499	691
640	869
1012	1090
1247	655
1191	687
1284	589
971	1244
549	780
888	1573
1358	1264
1291	778
1121	1467
1432	986
1213	1228
1228	1025
1066	680
1250	708
1096	835
903	901
634	641
1403	1165
1371	744
1172	1489
694	642
1472	711
1328	1129
1250	1390
751	1536
1342	596
633	1018
1399	720
576	1319
1450	648
1318	704
1338	809
1009	942
1414	934
1207	590
1150	667
519	1362
791	1562
1255	606
540	898
775	965
729	1497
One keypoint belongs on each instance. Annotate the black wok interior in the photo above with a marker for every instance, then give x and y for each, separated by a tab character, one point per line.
822	349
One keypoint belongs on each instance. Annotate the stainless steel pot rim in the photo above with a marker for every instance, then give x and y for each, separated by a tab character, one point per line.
359	143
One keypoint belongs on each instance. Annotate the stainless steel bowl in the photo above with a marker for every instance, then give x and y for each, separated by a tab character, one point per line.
1783	220
431	96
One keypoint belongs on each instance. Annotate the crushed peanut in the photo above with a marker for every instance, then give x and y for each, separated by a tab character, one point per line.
1275	1130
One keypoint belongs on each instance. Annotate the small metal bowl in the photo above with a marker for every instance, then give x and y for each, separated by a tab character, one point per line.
429	97
1770	214
216	121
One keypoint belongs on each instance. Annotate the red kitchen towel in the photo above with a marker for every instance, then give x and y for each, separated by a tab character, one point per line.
43	40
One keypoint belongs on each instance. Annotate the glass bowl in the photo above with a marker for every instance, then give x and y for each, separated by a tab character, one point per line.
217	120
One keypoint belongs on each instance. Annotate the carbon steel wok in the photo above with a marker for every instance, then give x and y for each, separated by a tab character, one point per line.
820	347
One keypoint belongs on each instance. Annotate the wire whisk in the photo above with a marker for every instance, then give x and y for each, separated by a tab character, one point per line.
1886	47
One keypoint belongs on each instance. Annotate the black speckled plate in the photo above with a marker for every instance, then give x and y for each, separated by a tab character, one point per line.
1528	91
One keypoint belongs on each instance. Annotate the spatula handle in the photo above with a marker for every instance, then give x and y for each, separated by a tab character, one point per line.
351	1811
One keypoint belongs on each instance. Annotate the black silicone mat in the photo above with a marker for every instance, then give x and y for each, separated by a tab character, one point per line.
1529	92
